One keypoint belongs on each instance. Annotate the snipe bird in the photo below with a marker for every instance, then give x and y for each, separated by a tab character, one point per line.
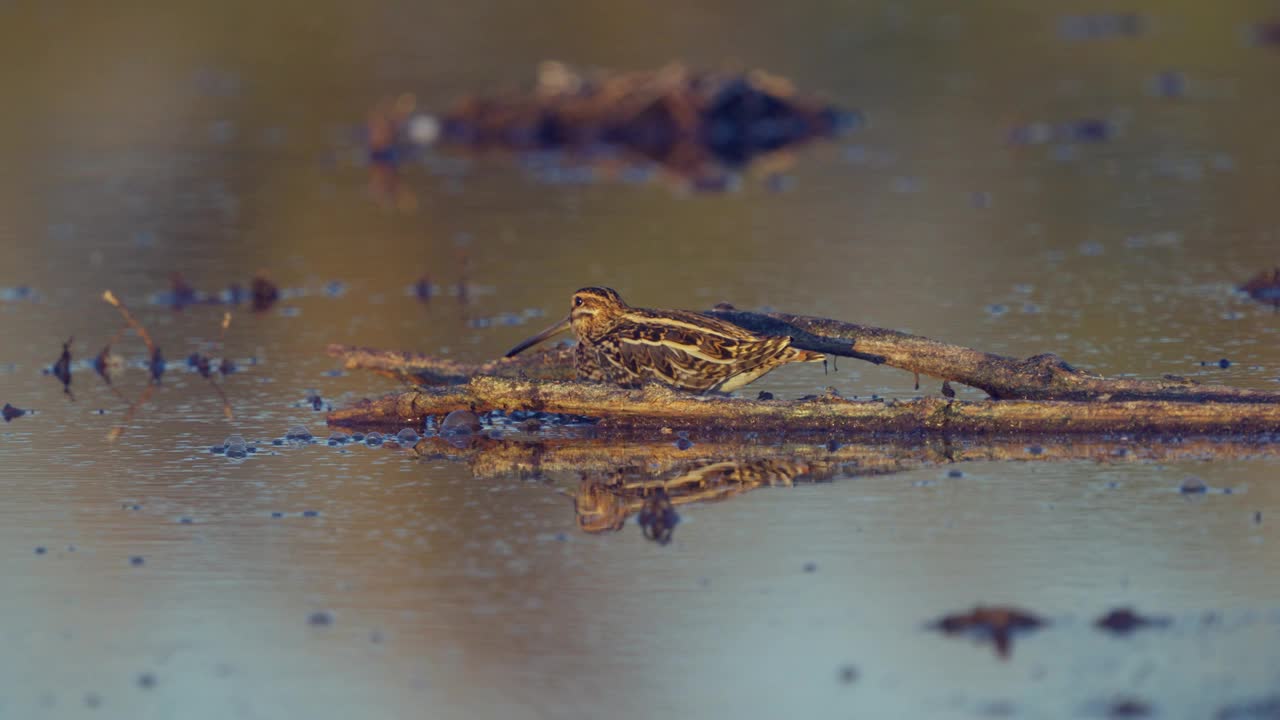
627	346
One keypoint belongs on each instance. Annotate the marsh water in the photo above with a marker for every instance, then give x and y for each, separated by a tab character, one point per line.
148	577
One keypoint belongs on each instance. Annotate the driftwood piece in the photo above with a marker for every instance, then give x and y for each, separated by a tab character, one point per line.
656	407
1040	377
1041	394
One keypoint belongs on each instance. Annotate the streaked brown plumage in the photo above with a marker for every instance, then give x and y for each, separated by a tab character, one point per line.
627	346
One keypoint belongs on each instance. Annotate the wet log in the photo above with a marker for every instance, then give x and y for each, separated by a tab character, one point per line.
1040	377
654	407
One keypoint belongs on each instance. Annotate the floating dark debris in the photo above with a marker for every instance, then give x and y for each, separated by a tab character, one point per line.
1266	708
698	125
1267	33
315	401
201	364
182	293
11	413
16	294
1100	26
1123	621
320	618
62	368
1265	286
1085	130
263	292
156	366
1127	707
423	289
997	625
1193	485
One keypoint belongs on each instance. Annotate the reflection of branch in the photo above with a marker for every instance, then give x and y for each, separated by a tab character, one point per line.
623	411
618	477
128	317
118	430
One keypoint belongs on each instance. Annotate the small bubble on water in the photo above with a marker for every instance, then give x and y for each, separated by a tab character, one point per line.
373	439
137	561
146	681
310	513
955	473
407	436
41	550
684	443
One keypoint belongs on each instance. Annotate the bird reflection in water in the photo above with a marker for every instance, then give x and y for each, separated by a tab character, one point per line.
604	502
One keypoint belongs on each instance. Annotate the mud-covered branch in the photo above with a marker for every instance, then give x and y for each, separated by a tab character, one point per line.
657	407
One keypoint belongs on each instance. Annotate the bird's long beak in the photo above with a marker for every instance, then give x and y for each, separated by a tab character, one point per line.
549	332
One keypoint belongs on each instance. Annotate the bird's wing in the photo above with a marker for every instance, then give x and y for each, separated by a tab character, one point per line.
699	337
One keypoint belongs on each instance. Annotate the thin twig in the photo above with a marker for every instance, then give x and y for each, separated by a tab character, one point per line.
128	317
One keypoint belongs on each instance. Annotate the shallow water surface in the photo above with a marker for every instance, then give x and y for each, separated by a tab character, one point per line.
1027	181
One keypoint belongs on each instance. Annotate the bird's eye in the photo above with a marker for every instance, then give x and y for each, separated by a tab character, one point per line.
577	302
